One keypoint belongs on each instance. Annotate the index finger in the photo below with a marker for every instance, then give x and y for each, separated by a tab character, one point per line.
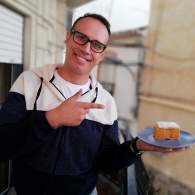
87	105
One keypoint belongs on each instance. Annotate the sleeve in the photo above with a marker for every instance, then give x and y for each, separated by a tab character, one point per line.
21	131
112	155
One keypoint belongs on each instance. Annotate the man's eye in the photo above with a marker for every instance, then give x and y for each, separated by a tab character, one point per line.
82	37
98	45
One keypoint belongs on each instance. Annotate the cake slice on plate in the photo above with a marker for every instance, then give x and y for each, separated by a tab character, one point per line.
166	130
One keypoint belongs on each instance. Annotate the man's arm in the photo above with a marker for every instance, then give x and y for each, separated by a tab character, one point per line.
112	155
21	131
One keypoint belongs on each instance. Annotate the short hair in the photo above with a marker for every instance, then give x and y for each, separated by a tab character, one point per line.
98	17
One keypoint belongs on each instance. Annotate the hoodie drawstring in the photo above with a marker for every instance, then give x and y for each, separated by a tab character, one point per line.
38	94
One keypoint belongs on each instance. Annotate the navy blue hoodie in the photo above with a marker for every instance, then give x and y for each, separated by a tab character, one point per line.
66	159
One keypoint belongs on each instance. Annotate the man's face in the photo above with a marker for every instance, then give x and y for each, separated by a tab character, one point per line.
81	59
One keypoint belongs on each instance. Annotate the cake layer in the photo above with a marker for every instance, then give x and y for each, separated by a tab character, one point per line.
166	130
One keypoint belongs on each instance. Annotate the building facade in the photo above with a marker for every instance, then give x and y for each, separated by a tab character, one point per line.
119	73
167	89
32	34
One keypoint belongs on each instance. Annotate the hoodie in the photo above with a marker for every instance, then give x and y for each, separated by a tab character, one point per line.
66	151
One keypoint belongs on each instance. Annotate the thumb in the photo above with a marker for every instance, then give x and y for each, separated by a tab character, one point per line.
76	95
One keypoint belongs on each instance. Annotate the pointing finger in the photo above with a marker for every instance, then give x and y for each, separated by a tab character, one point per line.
76	95
87	105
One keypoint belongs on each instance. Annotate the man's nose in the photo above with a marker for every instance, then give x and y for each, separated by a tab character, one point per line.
87	47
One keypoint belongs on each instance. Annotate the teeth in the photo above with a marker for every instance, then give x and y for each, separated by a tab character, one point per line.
82	58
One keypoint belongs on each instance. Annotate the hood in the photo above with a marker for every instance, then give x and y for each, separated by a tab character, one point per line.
47	73
29	84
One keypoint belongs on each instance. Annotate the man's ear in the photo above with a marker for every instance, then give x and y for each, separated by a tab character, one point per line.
101	57
68	35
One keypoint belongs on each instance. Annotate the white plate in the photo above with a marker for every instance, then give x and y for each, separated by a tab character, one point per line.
186	139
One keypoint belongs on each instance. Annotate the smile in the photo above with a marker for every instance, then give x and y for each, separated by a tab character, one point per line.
82	57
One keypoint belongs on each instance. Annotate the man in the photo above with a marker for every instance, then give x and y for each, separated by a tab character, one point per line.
62	123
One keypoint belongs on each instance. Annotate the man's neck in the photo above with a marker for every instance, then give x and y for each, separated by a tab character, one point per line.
70	76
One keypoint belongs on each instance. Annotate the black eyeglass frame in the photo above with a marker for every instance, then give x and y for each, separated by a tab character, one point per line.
88	40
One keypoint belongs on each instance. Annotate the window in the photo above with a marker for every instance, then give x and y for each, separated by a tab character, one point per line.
8	74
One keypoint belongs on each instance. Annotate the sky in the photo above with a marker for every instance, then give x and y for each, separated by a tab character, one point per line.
122	14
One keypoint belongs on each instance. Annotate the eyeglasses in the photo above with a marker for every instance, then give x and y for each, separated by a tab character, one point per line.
82	39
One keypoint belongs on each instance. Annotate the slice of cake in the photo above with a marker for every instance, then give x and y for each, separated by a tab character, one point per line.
166	130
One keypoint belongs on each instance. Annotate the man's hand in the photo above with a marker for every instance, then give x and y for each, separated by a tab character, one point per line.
71	112
143	146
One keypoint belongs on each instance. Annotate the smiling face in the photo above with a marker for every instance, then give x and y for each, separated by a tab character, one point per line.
81	59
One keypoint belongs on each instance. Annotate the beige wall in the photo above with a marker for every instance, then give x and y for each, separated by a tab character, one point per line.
167	89
44	30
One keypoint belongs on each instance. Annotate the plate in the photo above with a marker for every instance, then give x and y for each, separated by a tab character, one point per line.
186	139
